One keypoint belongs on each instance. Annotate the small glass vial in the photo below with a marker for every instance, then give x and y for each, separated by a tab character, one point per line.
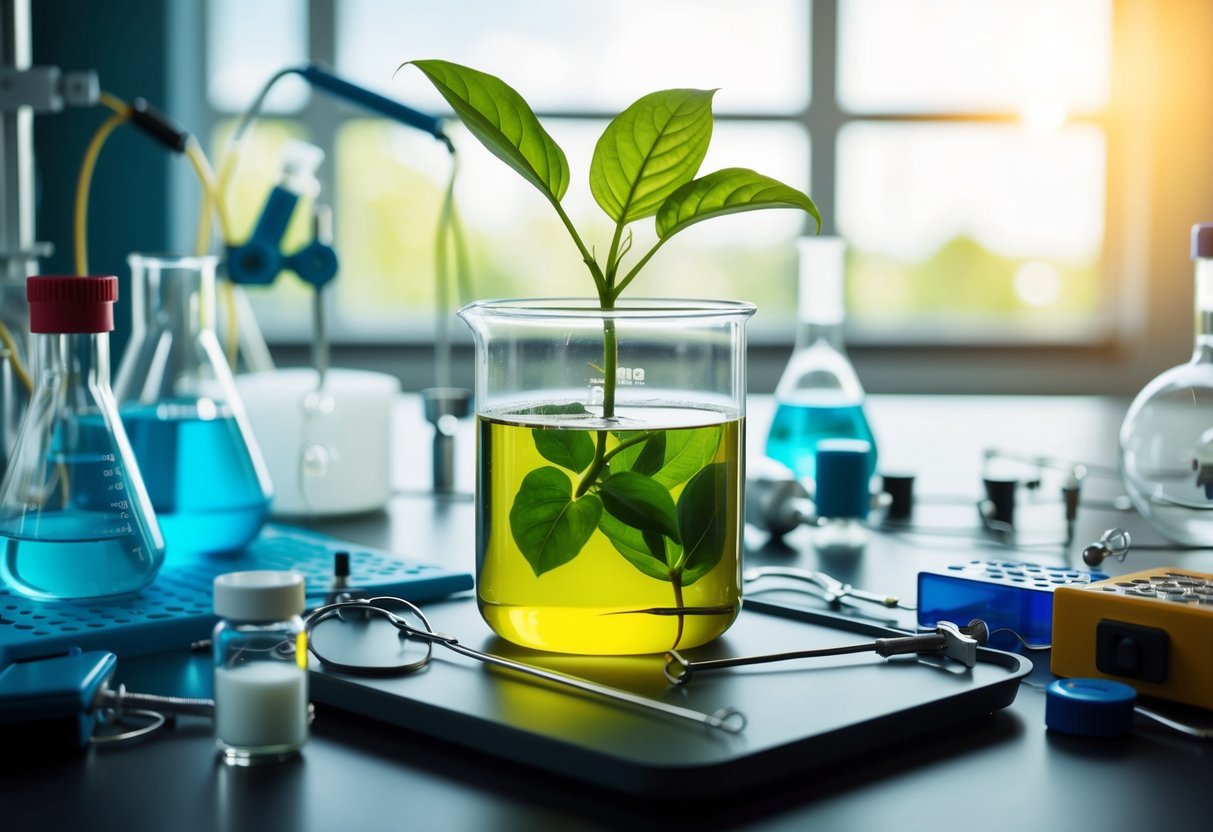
260	651
842	497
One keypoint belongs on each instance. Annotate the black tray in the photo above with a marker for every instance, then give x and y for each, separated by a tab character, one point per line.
801	715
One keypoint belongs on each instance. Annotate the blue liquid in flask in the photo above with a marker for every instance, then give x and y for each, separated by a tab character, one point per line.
91	547
799	426
199	474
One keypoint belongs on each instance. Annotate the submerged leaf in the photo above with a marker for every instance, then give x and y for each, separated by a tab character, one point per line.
643	457
704	522
571	449
639	502
686	453
548	525
650	150
644	551
503	122
728	191
569	409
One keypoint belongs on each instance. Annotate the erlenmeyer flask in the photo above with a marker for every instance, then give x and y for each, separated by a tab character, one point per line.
203	469
819	395
75	520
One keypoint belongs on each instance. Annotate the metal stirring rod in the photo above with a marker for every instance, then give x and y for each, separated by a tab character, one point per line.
948	640
833	591
729	720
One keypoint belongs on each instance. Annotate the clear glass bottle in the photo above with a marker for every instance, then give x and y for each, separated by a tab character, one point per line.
204	472
1166	440
260	655
75	520
819	395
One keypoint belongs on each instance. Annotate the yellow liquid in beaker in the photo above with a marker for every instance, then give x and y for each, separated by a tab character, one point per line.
599	602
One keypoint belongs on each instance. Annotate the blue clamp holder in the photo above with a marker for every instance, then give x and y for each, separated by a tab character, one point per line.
259	260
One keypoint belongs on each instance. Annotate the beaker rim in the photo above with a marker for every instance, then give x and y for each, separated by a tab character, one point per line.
172	261
591	308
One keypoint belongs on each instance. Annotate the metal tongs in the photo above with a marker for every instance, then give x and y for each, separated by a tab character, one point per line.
834	592
948	640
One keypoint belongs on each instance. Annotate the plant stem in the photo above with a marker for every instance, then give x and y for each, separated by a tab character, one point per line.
610	362
676	582
590	262
602	456
616	291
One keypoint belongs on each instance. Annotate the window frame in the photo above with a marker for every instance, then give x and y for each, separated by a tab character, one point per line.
943	366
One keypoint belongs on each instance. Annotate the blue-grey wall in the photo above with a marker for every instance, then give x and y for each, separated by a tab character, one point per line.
125	42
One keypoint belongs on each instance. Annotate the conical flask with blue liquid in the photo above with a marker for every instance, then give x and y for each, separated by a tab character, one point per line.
819	395
75	520
204	472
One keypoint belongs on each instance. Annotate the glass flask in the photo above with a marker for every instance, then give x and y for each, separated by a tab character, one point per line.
1166	439
204	472
16	383
610	459
818	396
75	520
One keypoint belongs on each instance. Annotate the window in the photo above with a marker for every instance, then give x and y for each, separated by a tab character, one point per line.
958	146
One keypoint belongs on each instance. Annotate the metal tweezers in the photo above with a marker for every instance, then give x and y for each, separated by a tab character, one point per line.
832	591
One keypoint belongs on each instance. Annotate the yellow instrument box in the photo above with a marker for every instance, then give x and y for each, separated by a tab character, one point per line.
1151	629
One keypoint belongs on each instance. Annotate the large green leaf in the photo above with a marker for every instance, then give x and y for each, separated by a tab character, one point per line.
639	502
644	551
503	122
686	452
650	150
571	449
703	521
643	457
548	525
727	191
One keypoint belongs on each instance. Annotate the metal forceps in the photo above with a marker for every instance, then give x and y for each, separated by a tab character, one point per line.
832	591
948	640
728	719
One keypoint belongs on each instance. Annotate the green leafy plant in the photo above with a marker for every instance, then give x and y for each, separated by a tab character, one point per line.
645	164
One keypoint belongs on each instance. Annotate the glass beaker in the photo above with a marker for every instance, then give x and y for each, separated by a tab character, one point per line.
1166	439
203	469
819	395
75	519
610	461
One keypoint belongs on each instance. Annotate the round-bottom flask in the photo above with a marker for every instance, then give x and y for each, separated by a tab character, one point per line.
1166	440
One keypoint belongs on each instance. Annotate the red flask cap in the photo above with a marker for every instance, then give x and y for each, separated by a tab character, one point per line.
70	304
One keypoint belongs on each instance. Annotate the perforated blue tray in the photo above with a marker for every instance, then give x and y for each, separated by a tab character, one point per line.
176	609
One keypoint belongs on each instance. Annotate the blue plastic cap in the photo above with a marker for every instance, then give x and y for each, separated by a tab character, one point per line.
842	478
1090	707
1202	240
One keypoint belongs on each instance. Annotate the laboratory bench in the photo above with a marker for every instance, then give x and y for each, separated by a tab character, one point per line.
993	771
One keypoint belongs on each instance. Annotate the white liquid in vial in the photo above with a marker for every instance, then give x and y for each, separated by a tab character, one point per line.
261	707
